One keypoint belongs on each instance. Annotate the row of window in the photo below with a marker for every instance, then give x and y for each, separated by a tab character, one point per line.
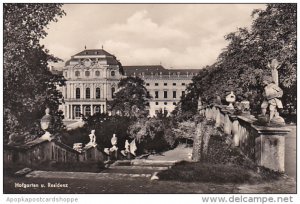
156	94
87	110
88	93
165	103
87	73
165	84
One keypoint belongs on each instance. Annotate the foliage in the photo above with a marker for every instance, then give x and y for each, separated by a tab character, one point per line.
105	126
131	99
185	130
153	133
28	84
241	66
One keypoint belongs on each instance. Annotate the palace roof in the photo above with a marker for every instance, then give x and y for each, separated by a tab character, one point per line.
94	52
148	70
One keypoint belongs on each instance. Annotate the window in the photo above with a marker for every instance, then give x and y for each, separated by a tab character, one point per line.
183	84
156	94
165	94
97	93
87	93
183	93
66	74
166	103
156	103
112	73
77	112
174	84
147	84
97	109
87	73
113	92
174	94
174	103
156	84
165	84
77	93
87	110
77	73
148	93
97	73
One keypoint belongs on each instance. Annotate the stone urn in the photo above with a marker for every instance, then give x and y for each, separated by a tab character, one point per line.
45	123
230	98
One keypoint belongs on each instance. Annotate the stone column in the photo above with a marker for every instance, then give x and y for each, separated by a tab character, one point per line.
70	90
72	111
81	90
66	112
270	147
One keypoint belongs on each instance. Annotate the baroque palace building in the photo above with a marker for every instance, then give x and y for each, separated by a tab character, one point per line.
92	79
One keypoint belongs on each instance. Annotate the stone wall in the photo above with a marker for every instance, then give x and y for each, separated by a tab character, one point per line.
262	144
44	152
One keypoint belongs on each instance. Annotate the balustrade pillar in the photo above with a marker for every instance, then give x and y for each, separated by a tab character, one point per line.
235	133
218	118
270	147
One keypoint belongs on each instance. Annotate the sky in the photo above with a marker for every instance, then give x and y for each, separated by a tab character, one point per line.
174	35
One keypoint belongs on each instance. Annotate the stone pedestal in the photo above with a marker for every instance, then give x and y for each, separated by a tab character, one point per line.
270	147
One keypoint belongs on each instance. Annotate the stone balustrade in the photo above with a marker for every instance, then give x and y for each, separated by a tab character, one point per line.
262	144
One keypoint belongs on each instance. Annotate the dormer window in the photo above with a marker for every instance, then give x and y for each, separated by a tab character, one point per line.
77	73
87	73
97	73
112	73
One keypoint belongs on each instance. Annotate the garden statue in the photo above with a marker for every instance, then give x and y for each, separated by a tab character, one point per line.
133	147
274	66
245	107
92	139
199	103
230	98
130	148
114	140
127	146
106	150
77	147
272	94
45	123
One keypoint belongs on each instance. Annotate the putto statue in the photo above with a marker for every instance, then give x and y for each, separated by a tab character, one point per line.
272	95
92	139
130	148
114	141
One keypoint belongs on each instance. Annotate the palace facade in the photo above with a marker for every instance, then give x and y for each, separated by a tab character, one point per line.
92	79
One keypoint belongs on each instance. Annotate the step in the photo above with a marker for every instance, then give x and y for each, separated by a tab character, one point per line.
129	171
144	162
85	175
157	168
153	162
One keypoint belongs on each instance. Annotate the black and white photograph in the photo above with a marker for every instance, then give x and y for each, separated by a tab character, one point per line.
150	98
